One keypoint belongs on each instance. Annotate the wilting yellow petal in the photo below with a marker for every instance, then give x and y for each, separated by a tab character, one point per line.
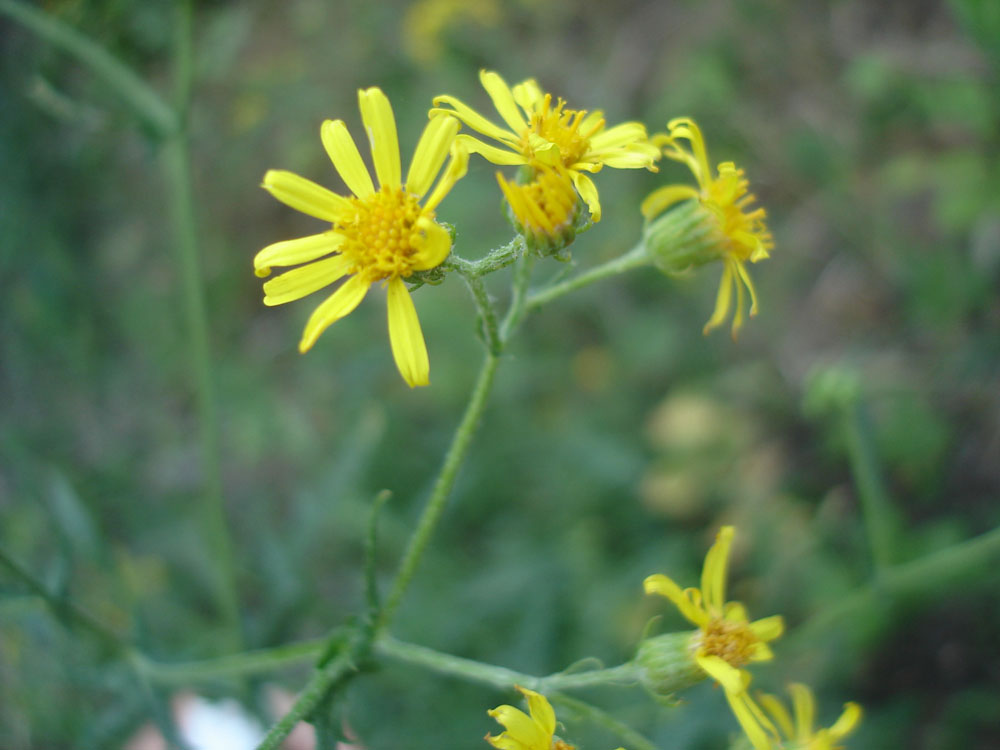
741	269
345	157
405	336
431	151
685	127
342	302
779	713
432	241
662	198
503	100
664	586
376	114
293	252
308	197
300	282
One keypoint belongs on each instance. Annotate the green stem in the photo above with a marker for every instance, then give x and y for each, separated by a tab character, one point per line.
634	258
442	487
487	314
880	520
500	677
519	296
632	739
236	665
62	607
176	164
496	259
319	687
137	95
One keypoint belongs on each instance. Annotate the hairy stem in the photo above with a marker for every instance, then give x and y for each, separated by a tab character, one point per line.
634	258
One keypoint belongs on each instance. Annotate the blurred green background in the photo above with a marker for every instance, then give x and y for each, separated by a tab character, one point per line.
618	439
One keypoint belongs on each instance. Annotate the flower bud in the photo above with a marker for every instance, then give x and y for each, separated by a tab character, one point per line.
666	663
682	238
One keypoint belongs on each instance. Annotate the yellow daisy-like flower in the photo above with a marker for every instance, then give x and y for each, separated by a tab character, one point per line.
524	732
741	230
726	640
377	235
545	208
543	131
780	731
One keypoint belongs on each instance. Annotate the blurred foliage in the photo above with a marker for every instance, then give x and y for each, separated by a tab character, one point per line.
618	438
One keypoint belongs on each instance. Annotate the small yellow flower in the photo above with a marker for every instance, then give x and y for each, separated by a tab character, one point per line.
379	235
741	230
780	731
726	640
545	208
541	131
524	732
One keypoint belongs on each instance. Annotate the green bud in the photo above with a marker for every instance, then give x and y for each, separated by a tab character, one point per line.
684	237
666	663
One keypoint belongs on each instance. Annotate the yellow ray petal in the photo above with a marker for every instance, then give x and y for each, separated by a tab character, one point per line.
847	721
540	710
723	300
300	282
520	728
768	628
293	252
456	170
804	710
376	113
713	574
432	241
663	198
431	151
732	680
741	704
405	336
588	191
342	302
308	197
528	95
685	127
779	713
345	157
619	135
664	586
492	154
748	282
503	100
473	119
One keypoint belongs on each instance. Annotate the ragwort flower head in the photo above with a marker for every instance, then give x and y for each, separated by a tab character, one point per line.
725	640
740	230
527	732
780	731
381	235
544	210
544	131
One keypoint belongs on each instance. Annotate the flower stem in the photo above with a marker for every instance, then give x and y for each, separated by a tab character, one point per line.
634	258
442	488
632	739
144	102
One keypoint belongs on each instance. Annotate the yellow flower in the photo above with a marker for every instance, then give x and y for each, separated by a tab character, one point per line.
741	231
783	732
542	132
377	235
523	732
545	208
726	640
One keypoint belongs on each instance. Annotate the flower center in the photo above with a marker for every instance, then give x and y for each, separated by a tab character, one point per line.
380	239
561	126
731	641
560	745
745	230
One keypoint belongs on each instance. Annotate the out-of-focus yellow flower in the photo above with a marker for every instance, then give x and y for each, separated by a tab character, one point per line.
427	20
726	640
377	235
741	232
543	131
524	732
545	208
780	731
